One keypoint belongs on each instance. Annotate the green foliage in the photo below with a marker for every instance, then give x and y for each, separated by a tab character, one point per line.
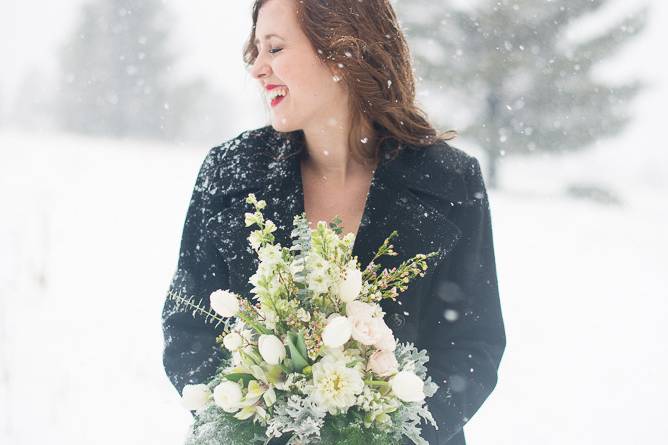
190	304
240	378
213	426
389	283
298	353
348	430
335	225
301	243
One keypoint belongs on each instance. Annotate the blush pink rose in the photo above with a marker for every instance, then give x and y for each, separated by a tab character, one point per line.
358	309
368	330
383	363
386	342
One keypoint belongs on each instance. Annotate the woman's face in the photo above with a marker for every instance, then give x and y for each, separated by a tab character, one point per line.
287	58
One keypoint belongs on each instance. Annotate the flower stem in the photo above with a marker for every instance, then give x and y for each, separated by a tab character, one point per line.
381	383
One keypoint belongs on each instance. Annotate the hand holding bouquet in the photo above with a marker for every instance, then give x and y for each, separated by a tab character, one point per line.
310	356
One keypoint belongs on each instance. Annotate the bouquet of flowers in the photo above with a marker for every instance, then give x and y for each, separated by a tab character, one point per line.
310	358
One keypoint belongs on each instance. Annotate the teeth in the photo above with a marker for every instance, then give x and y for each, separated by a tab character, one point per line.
278	91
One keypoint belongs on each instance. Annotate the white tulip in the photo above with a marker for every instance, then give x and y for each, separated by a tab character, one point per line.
232	341
407	386
224	302
350	287
227	395
195	397
337	331
271	348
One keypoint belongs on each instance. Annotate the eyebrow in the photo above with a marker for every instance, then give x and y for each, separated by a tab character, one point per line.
266	37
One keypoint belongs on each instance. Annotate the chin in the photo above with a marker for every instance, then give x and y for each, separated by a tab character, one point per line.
283	124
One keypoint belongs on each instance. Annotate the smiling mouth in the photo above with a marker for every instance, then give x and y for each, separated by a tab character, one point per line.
275	101
277	94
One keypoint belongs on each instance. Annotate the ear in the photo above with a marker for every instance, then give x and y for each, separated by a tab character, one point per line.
335	72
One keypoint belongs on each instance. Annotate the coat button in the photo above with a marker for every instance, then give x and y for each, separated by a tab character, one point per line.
397	320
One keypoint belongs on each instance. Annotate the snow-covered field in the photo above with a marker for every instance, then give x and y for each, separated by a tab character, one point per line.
89	239
90	231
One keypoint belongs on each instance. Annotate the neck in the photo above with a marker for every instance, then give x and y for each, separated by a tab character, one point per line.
329	154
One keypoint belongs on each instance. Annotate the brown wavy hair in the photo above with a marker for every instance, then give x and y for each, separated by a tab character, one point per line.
362	42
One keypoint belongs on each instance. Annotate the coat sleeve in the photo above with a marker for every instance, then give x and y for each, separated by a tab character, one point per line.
461	325
190	352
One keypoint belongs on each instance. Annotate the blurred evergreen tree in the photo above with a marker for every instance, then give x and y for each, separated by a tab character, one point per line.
116	73
523	87
32	107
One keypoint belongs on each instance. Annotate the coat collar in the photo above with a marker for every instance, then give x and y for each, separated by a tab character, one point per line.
411	193
419	169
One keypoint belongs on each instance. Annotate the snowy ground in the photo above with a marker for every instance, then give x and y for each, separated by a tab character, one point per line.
89	240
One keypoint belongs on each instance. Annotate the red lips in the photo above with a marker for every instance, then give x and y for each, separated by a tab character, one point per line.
271	86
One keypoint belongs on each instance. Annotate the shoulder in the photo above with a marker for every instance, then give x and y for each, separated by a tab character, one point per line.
239	158
451	159
243	147
447	170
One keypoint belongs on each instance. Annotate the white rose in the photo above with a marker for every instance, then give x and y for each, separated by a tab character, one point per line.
195	397
227	395
337	331
367	331
232	341
350	287
224	302
271	348
383	363
358	309
407	386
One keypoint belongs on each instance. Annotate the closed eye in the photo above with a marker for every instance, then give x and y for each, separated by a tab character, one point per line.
275	50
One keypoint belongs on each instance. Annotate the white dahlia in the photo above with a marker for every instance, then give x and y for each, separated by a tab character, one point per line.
335	385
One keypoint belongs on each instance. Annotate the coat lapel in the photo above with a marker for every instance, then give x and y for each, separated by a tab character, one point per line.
409	193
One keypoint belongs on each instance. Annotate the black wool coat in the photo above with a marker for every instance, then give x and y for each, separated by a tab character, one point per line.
434	197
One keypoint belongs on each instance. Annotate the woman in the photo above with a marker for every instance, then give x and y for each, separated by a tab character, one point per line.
346	139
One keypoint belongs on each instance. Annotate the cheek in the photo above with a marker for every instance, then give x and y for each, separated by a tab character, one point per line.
285	71
304	76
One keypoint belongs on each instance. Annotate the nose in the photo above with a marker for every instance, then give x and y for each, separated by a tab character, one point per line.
260	68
